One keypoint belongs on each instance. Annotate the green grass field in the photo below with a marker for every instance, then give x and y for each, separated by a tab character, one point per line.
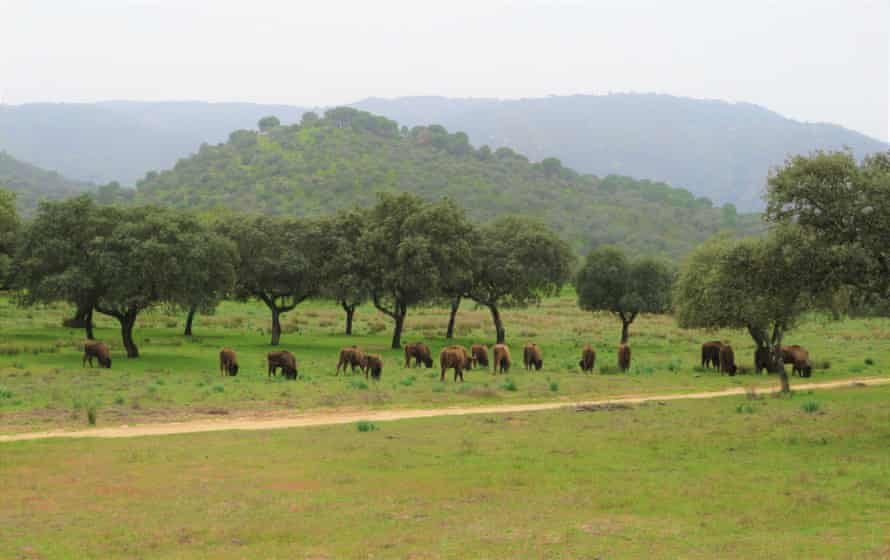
801	477
43	385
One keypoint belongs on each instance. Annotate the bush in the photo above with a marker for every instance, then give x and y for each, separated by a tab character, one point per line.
509	385
365	426
745	409
810	407
869	362
91	415
554	386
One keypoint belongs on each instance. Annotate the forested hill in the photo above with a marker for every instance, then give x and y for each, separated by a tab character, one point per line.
32	184
713	148
347	156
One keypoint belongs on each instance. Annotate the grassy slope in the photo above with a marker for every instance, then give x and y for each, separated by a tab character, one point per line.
42	383
32	184
687	479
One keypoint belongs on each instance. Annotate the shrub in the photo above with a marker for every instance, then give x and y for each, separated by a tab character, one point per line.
869	362
509	385
810	407
554	386
745	409
365	426
91	415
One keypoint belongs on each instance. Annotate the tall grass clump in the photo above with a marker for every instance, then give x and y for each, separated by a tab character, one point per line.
810	407
365	426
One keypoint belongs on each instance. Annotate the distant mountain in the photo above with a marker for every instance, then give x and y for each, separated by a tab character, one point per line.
716	149
122	140
32	184
344	158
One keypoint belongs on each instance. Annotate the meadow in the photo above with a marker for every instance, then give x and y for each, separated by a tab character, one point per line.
760	477
43	384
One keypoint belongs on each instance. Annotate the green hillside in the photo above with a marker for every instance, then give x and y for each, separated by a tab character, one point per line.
32	184
344	158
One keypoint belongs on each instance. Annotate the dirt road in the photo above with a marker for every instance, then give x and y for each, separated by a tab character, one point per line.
329	418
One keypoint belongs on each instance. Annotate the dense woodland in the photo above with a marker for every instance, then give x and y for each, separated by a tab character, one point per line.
32	184
343	158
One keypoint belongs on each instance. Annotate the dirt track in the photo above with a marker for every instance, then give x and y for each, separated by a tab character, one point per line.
329	418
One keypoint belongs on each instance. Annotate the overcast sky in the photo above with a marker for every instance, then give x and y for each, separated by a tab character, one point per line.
807	59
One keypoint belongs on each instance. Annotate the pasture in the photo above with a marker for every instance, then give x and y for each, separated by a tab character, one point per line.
763	477
43	385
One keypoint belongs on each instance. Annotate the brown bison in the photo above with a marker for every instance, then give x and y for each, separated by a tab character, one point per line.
457	358
531	357
710	354
762	360
501	363
800	358
373	366
623	357
95	349
479	355
351	356
588	358
228	362
727	360
284	360
420	353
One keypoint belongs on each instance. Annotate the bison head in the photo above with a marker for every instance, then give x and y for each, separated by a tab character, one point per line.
233	369
105	362
428	362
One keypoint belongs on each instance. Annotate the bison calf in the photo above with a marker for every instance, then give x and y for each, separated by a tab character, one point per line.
351	356
727	360
228	362
710	354
373	366
479	355
623	357
531	357
283	360
420	353
588	358
501	362
95	349
454	357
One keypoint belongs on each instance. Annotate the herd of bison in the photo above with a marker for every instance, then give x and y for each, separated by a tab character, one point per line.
713	354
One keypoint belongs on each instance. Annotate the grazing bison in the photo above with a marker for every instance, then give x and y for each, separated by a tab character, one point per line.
351	356
95	349
457	358
710	354
373	366
762	360
531	356
284	360
727	360
623	357
420	353
588	358
501	362
228	362
800	358
479	355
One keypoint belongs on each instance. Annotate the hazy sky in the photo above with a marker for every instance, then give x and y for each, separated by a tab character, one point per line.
807	59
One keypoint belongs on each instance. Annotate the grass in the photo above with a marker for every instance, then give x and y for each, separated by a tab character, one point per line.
177	378
685	479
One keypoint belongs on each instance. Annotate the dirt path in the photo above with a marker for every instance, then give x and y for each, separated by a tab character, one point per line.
330	418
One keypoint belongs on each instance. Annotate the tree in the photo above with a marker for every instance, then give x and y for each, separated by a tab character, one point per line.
342	261
266	124
762	285
609	281
412	251
516	261
277	263
9	230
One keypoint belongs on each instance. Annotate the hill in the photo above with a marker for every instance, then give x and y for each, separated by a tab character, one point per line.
32	184
344	158
121	140
713	148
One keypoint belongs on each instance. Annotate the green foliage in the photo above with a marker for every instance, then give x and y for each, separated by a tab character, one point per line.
32	184
266	124
509	385
343	159
810	407
9	229
365	426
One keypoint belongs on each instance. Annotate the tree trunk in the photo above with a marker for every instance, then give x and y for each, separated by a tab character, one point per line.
127	321
498	324
624	328
83	318
350	313
455	305
88	324
189	319
779	363
276	326
399	318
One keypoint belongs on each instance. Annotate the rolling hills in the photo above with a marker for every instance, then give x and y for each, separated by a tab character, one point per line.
347	156
32	184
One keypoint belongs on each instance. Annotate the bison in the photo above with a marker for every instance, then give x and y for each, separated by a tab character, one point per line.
531	357
727	360
228	362
351	356
623	357
373	366
457	358
800	358
284	360
479	355
95	349
762	360
588	358
420	353
710	354
501	362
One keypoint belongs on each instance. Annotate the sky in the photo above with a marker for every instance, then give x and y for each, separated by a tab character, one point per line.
811	60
